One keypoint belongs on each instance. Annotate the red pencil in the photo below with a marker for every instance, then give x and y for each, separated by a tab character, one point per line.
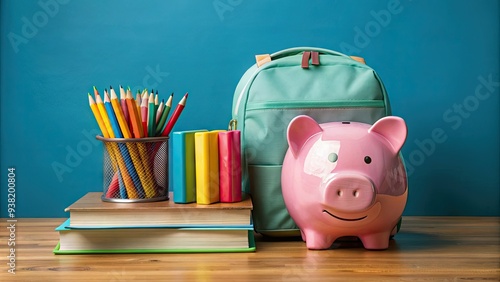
144	114
123	102
175	116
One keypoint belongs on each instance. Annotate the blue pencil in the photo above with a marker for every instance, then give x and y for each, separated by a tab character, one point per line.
123	192
123	148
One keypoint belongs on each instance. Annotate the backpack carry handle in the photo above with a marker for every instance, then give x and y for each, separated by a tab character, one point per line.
265	58
297	50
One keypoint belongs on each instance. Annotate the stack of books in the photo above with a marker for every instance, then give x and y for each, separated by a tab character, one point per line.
207	166
95	226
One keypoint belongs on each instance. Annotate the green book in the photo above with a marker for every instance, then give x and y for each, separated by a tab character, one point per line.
154	240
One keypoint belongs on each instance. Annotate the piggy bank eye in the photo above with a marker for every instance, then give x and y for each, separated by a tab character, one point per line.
333	157
368	159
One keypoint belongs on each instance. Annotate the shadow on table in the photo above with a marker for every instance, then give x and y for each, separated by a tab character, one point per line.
403	241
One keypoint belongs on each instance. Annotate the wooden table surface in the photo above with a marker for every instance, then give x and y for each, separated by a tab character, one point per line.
426	249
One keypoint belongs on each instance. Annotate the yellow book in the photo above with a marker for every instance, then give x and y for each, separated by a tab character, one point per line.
207	166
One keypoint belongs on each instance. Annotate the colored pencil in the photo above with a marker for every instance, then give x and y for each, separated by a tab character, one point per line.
134	188
159	111
144	115
135	119
138	99
119	114
113	148
157	102
113	187
123	103
112	117
144	177
151	116
97	115
164	115
175	116
110	148
104	114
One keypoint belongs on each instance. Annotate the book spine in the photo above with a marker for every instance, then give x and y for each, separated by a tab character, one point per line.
184	183
207	167
230	166
178	169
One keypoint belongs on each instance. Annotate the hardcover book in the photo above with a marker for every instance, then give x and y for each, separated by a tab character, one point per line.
91	211
207	167
230	166
183	168
154	239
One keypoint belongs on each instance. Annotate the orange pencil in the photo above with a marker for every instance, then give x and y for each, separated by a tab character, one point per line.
175	116
135	119
138	100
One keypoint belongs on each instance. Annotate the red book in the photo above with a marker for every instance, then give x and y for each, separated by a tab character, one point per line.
229	166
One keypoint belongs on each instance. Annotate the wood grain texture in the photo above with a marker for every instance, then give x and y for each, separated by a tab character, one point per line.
426	249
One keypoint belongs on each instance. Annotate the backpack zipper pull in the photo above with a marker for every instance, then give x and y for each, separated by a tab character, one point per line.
305	59
315	58
232	125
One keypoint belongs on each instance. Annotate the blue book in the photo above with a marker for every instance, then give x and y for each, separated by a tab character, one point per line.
154	240
184	173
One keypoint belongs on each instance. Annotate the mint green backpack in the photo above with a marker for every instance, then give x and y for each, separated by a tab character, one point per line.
324	84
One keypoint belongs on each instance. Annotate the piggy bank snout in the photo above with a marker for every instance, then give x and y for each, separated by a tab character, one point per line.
349	193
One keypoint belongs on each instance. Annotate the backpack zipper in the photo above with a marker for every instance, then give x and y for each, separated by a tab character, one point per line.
270	105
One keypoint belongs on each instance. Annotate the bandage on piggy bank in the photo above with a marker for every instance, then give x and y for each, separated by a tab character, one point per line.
345	179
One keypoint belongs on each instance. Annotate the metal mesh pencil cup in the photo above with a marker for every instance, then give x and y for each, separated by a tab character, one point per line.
135	170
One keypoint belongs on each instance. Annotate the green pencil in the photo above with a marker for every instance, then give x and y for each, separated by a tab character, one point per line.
164	115
151	116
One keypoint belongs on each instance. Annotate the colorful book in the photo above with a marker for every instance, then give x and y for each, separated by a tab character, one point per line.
153	240
184	174
207	167
230	166
91	212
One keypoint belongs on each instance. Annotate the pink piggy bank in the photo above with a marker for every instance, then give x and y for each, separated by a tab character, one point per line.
345	179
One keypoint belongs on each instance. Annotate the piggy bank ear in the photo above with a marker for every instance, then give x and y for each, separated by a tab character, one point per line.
299	130
393	129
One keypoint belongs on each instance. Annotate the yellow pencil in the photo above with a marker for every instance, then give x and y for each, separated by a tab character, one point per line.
97	115
110	147
119	114
104	114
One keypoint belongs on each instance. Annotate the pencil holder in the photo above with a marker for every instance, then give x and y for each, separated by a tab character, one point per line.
135	170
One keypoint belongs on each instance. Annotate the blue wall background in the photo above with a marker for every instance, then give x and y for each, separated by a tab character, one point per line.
438	59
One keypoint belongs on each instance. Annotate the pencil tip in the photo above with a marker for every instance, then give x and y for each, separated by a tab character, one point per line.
110	87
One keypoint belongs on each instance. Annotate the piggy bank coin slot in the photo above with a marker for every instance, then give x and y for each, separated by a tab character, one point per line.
346	122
